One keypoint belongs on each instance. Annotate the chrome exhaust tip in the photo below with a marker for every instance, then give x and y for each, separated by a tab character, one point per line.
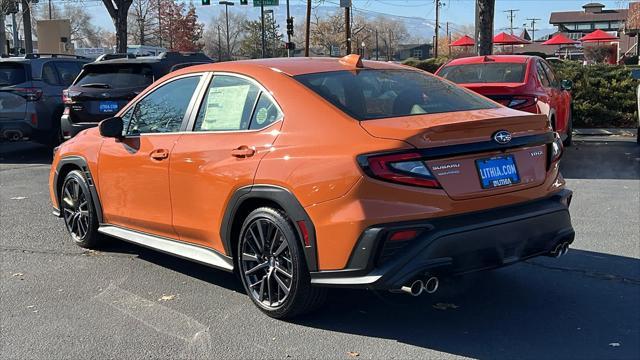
558	250
431	285
415	289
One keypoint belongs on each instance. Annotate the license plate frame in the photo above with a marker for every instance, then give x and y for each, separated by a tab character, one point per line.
498	171
108	107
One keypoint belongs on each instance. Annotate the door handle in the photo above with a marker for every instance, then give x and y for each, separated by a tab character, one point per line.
243	152
159	154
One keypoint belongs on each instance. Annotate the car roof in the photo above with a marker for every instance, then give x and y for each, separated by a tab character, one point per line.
291	66
516	59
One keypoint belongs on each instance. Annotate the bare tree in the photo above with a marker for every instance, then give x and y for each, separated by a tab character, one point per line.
118	10
4	8
83	32
215	45
143	22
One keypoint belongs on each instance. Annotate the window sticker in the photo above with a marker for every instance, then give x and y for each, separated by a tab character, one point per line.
224	107
261	115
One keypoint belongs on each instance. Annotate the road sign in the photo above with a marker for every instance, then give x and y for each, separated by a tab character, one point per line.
244	2
206	2
257	3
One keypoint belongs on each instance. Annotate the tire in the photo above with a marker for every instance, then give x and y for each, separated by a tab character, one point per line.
78	211
569	139
272	266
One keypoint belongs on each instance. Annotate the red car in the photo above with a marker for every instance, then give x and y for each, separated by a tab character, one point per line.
520	82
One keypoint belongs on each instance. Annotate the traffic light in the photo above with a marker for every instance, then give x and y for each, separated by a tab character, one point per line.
206	2
244	2
290	26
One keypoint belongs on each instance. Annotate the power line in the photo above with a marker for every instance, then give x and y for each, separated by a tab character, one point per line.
533	27
511	16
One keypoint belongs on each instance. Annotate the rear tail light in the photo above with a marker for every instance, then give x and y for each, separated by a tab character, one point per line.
519	102
556	149
403	235
67	96
402	168
30	94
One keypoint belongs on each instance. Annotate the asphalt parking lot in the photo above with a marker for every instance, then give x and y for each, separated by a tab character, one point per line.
60	301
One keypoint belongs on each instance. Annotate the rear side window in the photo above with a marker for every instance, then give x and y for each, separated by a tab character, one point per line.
542	76
116	76
12	74
375	94
490	72
228	104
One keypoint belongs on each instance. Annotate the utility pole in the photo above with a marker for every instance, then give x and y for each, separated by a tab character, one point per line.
159	25
26	24
448	39
16	41
289	20
533	27
226	15
262	27
435	40
347	27
50	16
512	16
307	30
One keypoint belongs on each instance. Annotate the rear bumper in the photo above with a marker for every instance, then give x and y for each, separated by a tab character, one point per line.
455	245
71	129
10	128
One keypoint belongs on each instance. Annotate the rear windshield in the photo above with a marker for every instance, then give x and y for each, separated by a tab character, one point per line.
119	76
374	94
12	74
484	73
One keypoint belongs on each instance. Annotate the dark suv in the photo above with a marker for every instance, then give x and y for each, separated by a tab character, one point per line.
31	95
106	85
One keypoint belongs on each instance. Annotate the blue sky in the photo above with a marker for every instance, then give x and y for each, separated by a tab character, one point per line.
460	12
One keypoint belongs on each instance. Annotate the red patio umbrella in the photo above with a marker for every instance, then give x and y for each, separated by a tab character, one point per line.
559	39
463	41
507	39
598	36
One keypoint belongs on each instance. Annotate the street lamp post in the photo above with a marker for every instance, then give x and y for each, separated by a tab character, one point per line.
226	12
262	27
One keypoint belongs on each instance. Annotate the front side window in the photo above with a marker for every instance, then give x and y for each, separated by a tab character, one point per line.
163	110
228	104
374	94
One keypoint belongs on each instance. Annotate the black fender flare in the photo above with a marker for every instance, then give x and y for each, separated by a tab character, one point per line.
287	201
80	163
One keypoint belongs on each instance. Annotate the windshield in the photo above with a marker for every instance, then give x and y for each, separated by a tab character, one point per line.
120	76
374	94
491	72
12	74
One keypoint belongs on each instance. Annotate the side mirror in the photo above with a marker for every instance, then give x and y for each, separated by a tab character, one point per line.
566	85
112	127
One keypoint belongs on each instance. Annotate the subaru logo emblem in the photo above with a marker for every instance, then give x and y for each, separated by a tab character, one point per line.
502	137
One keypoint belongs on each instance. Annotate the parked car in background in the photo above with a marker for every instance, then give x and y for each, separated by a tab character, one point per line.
31	95
306	173
106	85
520	82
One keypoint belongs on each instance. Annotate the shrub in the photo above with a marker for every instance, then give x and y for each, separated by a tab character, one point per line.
603	95
430	65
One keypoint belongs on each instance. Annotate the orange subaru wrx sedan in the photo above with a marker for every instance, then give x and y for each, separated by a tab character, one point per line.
301	174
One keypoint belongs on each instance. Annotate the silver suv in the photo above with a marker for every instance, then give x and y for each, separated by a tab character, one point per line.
31	95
